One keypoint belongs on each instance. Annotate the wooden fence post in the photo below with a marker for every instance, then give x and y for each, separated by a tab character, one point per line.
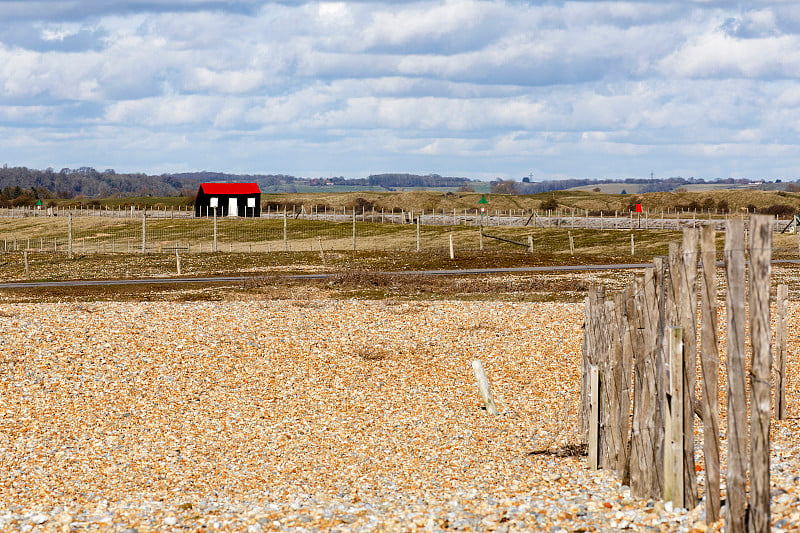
452	251
144	231
419	221
571	244
69	236
688	323
736	506
592	346
647	430
674	480
285	232
781	328
594	417
612	348
710	366
622	373
583	406
760	408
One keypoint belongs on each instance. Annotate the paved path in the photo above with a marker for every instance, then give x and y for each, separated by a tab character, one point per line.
228	279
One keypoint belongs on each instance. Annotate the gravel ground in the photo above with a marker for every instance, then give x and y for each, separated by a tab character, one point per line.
312	416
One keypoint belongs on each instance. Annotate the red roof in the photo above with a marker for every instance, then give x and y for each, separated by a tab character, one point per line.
230	188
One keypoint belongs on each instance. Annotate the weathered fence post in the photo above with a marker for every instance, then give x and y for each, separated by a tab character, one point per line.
419	218
571	243
177	259
69	236
144	231
620	363
647	431
781	327
593	346
285	231
608	392
215	229
633	246
674	480
354	229
736	506
760	408
709	358
594	417
452	251
688	322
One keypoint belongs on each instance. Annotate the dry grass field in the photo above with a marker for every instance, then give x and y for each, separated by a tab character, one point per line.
429	200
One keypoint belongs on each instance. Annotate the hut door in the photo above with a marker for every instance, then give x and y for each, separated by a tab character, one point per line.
233	207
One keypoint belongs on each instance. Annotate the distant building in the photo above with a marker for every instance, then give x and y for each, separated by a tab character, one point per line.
229	199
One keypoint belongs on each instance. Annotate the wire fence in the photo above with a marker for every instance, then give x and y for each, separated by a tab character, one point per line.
98	230
86	235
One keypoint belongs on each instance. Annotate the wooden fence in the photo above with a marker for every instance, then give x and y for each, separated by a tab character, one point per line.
639	393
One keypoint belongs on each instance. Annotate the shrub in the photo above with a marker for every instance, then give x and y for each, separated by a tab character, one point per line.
781	210
549	205
363	204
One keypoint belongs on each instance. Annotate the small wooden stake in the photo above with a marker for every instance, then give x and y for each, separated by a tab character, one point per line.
781	327
321	251
483	387
594	417
759	295
736	479
709	359
419	221
452	252
673	420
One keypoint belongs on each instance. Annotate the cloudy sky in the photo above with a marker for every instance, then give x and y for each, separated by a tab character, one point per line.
476	88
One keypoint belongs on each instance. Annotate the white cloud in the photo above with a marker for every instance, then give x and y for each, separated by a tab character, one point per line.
718	55
224	82
491	82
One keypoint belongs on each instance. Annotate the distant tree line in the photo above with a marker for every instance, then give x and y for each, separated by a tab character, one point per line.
646	185
393	181
25	186
263	180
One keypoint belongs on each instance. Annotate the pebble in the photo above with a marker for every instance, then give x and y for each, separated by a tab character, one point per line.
262	416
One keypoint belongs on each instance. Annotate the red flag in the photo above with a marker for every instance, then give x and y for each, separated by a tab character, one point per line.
638	208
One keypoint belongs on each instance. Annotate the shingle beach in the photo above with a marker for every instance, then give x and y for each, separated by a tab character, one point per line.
314	416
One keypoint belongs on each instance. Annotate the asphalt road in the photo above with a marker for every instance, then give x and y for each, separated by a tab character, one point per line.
229	279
